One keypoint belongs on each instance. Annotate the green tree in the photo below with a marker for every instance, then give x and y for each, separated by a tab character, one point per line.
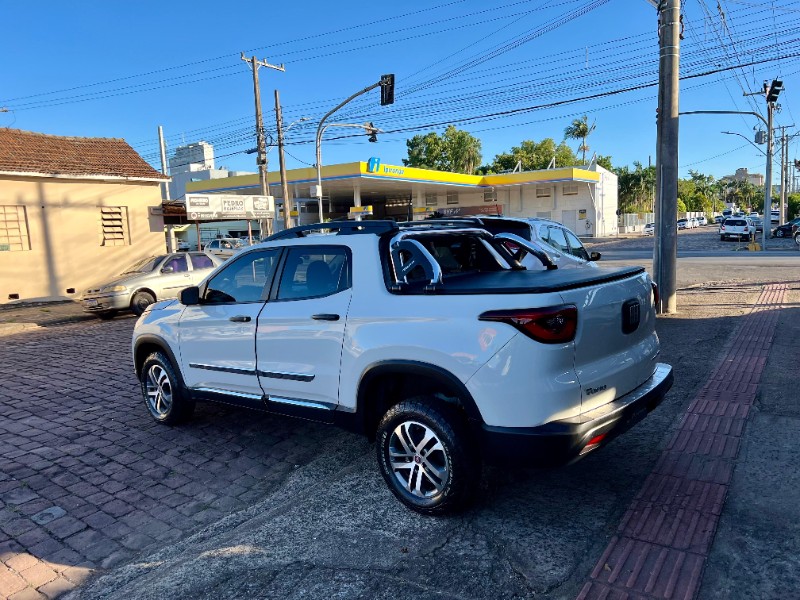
455	150
793	200
605	162
533	156
580	129
636	187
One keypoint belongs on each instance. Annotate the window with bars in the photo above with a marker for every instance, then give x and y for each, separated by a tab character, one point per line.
542	192
490	195
13	229
431	199
114	226
452	197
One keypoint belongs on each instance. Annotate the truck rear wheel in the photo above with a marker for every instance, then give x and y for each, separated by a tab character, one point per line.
425	456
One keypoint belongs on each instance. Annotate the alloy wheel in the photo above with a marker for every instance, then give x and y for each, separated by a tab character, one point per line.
159	391
418	459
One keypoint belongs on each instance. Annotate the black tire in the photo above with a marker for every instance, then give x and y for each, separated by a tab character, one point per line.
406	423
140	301
797	238
779	233
107	315
165	397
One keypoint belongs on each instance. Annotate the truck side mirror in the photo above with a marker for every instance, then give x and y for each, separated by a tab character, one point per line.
189	296
593	256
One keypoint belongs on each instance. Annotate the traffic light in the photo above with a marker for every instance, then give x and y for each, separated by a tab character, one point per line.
774	90
372	132
387	89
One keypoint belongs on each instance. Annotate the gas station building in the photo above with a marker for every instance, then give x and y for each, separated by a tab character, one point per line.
582	198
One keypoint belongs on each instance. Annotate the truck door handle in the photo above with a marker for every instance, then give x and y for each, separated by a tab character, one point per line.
325	317
240	319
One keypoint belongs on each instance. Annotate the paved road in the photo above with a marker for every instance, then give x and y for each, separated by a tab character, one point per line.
236	504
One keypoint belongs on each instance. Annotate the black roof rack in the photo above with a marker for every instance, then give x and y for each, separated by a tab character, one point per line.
341	227
442	222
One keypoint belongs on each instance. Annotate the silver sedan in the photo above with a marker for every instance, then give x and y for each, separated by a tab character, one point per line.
146	281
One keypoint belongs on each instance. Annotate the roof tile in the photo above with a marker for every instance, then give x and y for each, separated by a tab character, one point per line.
29	152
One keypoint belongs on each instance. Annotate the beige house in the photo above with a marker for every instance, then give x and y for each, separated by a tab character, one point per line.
73	212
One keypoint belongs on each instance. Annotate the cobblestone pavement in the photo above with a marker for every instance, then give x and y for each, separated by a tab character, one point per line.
19	316
88	479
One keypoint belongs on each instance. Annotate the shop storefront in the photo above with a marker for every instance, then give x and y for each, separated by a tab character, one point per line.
583	198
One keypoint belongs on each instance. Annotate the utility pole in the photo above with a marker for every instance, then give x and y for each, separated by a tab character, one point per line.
261	145
163	147
288	203
665	254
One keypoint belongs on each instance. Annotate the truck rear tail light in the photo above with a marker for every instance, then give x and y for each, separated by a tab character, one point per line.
593	443
551	325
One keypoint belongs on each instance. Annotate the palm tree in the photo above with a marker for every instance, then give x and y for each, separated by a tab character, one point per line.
580	130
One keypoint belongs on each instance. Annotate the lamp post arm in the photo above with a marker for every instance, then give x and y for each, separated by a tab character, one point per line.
321	129
724	112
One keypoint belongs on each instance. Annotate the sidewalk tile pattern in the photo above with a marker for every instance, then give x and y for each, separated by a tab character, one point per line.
88	481
665	536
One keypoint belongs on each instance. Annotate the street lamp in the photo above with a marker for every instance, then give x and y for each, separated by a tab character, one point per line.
371	130
746	138
386	83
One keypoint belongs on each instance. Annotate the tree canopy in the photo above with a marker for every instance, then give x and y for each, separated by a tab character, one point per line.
455	150
533	155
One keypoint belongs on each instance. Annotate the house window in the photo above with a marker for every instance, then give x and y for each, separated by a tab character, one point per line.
114	226
570	189
490	195
13	229
452	197
431	200
542	192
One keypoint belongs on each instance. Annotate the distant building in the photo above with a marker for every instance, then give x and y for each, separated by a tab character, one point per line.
756	179
194	162
73	212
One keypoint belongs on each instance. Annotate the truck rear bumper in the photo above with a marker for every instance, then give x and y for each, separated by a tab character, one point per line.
568	440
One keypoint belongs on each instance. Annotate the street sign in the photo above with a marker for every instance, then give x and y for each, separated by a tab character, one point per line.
360	211
221	207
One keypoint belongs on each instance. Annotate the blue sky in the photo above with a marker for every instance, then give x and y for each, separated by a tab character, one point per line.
114	69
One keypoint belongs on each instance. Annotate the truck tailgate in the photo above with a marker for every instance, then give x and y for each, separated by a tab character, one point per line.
616	345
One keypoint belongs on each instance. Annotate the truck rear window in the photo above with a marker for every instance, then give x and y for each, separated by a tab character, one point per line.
735	222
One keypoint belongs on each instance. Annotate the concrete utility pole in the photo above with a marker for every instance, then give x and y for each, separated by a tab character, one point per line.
261	145
163	147
288	204
665	252
784	173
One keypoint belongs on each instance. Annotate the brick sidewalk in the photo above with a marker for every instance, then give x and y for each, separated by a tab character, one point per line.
88	480
664	538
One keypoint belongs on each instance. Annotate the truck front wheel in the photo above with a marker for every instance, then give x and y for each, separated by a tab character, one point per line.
425	456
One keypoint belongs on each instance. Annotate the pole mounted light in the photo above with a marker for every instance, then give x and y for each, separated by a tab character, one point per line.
386	83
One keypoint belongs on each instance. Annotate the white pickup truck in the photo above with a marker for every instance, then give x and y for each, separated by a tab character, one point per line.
433	340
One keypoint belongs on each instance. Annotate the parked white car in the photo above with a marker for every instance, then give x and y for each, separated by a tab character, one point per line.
434	341
740	228
224	247
702	221
649	229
